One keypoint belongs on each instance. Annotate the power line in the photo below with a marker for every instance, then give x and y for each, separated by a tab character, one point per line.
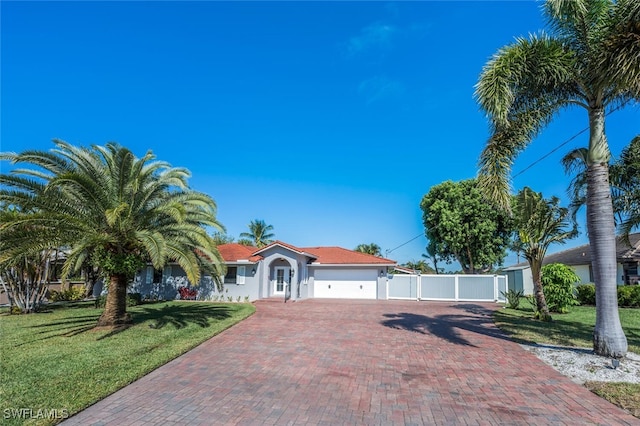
560	146
403	244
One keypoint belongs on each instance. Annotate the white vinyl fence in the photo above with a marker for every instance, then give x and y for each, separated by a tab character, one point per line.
471	288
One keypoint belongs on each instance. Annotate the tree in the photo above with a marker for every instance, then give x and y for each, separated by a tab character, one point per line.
432	255
372	249
464	226
112	208
624	175
259	233
588	59
539	223
626	180
220	238
420	266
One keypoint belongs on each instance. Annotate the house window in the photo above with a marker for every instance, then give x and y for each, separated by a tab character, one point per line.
235	275
232	273
157	276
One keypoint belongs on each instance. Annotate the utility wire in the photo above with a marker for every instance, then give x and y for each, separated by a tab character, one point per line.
403	244
521	171
560	146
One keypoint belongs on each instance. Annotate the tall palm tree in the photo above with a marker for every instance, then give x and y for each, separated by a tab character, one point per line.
117	210
590	60
539	223
372	249
259	233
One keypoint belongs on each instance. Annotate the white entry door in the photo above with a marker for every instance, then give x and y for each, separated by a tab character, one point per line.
282	279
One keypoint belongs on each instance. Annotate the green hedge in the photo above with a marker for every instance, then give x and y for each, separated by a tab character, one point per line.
628	295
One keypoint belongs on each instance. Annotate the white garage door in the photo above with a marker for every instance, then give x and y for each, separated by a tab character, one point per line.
345	283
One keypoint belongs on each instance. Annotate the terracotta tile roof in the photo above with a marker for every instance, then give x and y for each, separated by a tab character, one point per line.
331	255
287	246
339	255
235	252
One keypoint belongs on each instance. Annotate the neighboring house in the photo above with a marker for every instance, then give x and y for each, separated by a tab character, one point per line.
579	258
280	270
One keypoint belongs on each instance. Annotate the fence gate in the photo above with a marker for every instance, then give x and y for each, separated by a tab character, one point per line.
468	288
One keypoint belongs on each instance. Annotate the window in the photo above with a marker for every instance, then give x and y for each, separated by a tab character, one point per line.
235	275
232	273
157	276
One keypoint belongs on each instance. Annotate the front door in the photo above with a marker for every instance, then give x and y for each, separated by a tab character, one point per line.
282	279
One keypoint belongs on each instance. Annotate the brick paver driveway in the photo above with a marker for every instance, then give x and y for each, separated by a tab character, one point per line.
357	362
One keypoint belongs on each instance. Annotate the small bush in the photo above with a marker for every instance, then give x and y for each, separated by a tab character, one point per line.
586	294
133	299
558	283
629	296
513	298
72	294
187	293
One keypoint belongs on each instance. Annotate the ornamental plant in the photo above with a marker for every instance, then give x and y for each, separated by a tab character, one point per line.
558	282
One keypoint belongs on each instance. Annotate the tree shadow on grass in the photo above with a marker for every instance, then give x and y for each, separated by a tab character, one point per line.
174	315
157	315
447	327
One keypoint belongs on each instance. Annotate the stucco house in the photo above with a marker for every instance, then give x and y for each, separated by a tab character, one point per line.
579	258
279	270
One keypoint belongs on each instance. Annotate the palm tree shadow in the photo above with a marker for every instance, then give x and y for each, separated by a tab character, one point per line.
174	315
448	327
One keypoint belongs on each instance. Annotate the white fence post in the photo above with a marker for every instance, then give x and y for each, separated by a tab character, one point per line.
456	289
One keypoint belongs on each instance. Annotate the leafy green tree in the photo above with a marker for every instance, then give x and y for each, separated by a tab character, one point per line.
464	226
108	206
372	249
259	233
539	223
589	59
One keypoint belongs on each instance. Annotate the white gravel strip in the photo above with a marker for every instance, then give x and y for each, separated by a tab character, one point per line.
582	365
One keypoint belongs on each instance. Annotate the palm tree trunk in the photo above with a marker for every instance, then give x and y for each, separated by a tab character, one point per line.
541	302
115	310
608	337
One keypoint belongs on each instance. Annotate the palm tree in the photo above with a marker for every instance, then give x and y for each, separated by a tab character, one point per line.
372	249
589	59
432	254
624	175
539	223
259	233
112	208
419	266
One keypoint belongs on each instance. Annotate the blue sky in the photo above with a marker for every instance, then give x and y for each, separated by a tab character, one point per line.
328	120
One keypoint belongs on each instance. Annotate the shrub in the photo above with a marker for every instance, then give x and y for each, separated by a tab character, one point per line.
513	297
133	299
586	294
187	293
628	295
72	294
558	283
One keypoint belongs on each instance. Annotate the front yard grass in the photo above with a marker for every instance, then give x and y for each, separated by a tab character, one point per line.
576	329
56	360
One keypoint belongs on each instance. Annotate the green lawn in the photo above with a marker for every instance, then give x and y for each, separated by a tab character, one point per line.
56	360
576	329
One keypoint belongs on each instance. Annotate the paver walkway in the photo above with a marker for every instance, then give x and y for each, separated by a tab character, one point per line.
357	362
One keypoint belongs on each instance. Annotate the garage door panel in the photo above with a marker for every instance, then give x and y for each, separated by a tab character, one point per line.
345	284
